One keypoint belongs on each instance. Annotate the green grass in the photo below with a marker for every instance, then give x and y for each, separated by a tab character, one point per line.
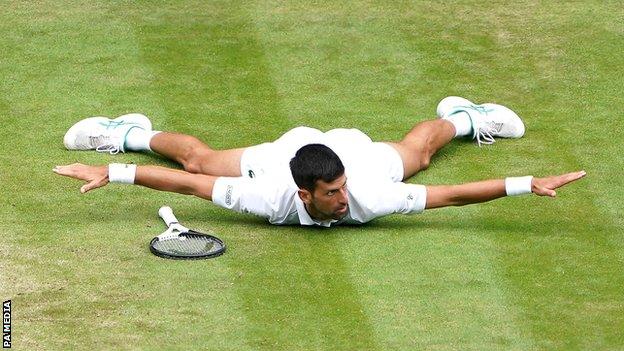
517	274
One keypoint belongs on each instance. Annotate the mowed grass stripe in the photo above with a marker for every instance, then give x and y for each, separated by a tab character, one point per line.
544	150
340	65
555	266
206	66
580	277
380	51
294	290
346	41
52	299
79	287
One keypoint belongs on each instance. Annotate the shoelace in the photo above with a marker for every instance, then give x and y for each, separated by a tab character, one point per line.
483	135
108	144
104	144
483	132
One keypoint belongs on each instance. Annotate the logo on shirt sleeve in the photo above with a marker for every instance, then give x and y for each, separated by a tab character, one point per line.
228	195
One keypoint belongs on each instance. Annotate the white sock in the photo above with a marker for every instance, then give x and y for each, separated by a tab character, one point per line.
138	139
462	123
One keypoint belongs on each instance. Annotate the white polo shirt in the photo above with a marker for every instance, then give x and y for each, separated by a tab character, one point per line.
373	172
278	201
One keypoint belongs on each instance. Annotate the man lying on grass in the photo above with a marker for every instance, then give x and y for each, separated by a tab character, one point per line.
306	176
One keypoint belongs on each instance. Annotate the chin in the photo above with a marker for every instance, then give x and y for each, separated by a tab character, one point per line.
340	216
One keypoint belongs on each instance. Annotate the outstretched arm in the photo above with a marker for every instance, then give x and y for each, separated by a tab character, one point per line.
470	193
154	177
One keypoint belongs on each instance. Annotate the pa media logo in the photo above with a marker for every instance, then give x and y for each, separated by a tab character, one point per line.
6	324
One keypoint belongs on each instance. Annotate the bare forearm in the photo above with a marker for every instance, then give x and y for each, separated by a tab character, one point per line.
471	193
464	194
159	178
176	181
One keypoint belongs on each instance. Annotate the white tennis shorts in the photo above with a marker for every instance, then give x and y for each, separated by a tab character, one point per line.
356	150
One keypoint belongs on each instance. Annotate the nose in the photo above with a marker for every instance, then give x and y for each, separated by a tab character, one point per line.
343	199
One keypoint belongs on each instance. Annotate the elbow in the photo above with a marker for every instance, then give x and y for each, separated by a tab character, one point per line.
443	196
202	186
202	194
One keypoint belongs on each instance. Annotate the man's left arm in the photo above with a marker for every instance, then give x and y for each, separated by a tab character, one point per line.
470	193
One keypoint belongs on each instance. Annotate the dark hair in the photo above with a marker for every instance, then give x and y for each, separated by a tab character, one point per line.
313	162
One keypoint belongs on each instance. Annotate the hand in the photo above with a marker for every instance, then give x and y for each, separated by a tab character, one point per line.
546	186
95	176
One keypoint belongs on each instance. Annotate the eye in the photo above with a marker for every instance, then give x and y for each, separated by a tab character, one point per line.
330	193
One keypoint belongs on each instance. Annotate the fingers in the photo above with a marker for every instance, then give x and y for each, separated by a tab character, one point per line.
569	178
94	176
68	170
63	170
87	187
544	191
94	184
547	186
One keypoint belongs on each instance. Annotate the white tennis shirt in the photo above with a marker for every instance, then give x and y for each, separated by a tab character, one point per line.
373	172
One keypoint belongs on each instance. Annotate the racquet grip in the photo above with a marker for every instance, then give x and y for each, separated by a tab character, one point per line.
166	213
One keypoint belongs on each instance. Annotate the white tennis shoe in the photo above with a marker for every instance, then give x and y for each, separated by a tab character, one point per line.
104	134
488	120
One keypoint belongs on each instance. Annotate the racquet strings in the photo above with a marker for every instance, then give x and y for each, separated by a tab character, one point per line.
188	245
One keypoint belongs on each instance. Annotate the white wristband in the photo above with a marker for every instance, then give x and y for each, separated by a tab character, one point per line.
121	173
518	185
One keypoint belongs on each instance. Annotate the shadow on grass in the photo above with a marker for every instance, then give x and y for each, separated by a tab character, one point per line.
406	225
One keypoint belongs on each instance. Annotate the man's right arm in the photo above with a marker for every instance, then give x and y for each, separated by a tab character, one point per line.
235	193
176	181
154	177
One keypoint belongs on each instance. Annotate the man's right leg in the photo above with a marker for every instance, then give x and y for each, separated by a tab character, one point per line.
133	132
197	157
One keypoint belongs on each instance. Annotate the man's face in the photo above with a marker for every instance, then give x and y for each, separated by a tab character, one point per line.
329	200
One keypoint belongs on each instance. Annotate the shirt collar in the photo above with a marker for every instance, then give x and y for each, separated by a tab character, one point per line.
304	216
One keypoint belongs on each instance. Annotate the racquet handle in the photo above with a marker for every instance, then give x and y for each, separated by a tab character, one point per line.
166	213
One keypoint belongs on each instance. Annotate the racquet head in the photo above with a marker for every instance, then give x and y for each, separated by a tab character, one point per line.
179	242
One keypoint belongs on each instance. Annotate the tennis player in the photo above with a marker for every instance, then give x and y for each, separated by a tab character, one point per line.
306	176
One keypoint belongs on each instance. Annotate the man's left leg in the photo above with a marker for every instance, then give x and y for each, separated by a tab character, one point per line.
458	117
421	143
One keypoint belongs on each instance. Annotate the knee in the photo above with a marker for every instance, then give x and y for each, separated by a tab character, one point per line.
423	157
423	163
194	159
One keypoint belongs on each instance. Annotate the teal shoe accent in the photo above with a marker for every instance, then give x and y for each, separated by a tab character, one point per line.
123	146
471	108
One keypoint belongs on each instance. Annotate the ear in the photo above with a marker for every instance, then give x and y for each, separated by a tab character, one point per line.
305	196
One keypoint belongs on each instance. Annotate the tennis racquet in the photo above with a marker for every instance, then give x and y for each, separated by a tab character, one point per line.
179	242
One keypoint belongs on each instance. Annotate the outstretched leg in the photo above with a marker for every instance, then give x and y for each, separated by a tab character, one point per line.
458	117
195	156
421	143
133	132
